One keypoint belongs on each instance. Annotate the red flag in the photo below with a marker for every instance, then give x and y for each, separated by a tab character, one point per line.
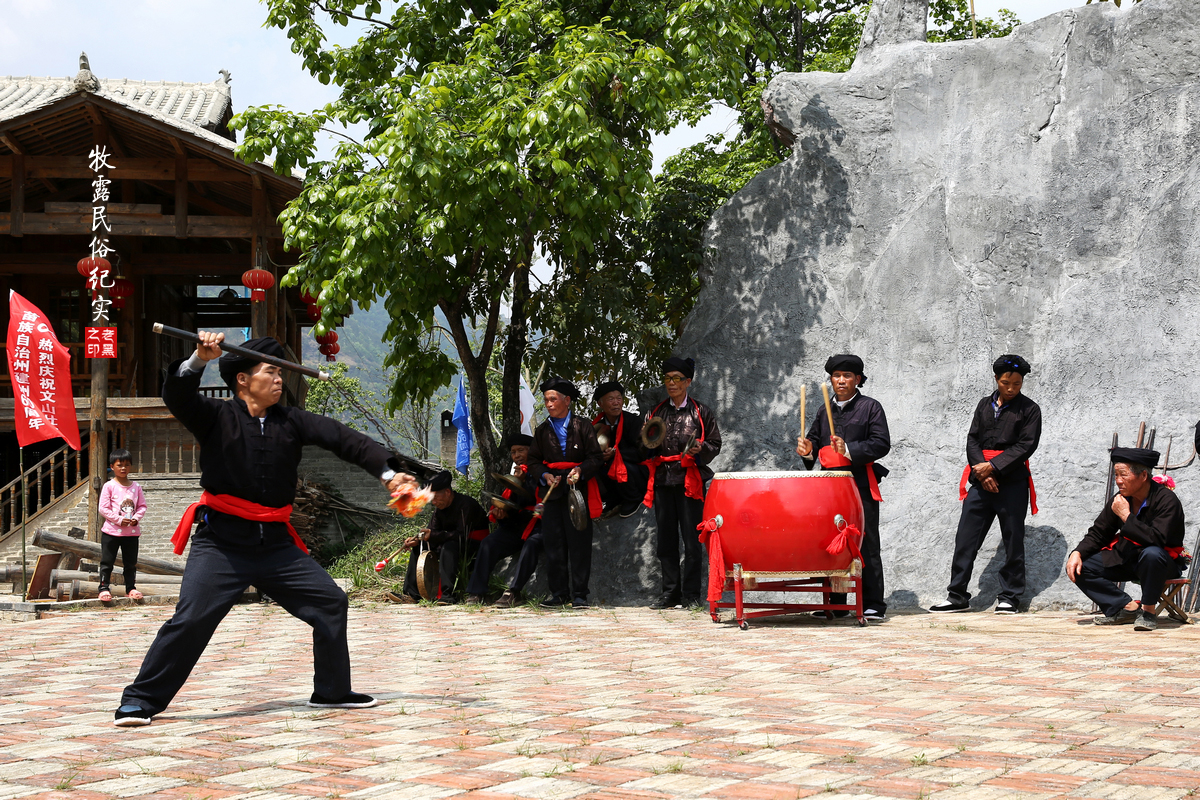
40	369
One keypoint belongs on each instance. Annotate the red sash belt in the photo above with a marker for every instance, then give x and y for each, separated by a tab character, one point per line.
710	537
989	455
693	483
507	495
234	506
616	470
595	504
832	459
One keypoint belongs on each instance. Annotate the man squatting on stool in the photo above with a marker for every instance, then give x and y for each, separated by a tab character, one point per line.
249	451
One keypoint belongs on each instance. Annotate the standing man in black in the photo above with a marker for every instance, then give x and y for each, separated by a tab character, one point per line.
862	438
565	449
1137	537
1004	434
623	482
456	528
249	451
679	473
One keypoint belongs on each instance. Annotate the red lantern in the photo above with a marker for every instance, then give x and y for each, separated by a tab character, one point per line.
257	281
330	351
329	337
314	313
122	288
86	265
308	299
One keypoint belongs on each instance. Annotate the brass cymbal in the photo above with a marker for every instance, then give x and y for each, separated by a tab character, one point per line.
514	483
654	432
500	502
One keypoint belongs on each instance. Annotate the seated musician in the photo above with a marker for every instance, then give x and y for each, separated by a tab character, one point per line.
623	481
1137	537
513	528
455	530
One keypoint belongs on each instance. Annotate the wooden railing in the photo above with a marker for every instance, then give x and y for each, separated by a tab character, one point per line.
162	447
46	481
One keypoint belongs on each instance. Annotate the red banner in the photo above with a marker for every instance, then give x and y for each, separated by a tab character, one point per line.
40	369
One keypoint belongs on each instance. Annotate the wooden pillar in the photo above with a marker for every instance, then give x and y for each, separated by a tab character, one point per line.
17	215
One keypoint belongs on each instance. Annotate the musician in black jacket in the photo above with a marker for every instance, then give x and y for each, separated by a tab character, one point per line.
679	472
513	527
1137	537
250	447
862	436
565	451
623	481
1004	434
457	526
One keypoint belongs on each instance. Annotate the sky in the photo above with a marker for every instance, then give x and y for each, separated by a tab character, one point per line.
190	40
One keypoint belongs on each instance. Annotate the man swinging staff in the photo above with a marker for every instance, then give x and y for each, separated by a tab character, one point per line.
249	451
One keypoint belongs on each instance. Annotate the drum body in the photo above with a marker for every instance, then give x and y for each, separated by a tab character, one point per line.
783	521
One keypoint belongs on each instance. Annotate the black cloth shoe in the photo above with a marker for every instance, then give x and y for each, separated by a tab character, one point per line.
950	607
131	716
553	602
508	600
1123	617
694	604
664	603
351	700
1145	622
579	602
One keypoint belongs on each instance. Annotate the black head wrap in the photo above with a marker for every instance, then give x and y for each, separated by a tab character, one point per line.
1010	362
1134	455
518	440
230	364
605	388
441	481
847	362
685	366
560	385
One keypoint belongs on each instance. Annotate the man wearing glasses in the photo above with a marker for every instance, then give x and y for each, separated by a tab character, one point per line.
678	473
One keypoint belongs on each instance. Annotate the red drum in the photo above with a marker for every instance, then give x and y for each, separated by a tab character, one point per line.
783	521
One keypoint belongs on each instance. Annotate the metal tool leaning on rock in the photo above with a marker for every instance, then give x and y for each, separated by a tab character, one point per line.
250	447
565	450
678	474
853	433
1004	434
1138	536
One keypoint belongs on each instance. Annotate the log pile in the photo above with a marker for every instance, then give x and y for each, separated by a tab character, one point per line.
314	502
60	575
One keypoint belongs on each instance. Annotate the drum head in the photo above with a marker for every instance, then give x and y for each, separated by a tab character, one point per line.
428	576
514	483
579	509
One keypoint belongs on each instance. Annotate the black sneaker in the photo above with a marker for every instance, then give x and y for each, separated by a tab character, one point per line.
1145	622
553	602
579	602
350	700
950	607
1006	607
874	615
1123	617
695	604
664	603
131	716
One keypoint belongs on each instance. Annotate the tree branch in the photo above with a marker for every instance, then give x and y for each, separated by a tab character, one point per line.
348	15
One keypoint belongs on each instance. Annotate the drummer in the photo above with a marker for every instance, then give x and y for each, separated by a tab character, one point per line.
678	472
861	439
514	525
457	526
623	483
564	450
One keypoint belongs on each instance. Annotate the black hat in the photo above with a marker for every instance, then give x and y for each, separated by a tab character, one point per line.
231	364
686	366
605	388
1010	362
441	481
518	440
560	385
1133	455
847	362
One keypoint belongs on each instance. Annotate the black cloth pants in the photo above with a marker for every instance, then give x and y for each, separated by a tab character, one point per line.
499	545
872	577
449	555
568	552
214	579
979	509
627	494
677	516
527	561
109	545
1153	568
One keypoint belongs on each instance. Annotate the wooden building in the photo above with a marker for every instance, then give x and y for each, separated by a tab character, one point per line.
187	217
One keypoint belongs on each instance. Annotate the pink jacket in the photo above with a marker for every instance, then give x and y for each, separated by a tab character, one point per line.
112	497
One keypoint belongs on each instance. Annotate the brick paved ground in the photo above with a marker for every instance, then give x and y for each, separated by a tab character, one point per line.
624	703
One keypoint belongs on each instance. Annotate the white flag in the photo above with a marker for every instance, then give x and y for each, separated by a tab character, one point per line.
526	408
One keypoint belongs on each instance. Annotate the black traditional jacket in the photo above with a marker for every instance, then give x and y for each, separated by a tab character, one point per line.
1016	430
1158	522
630	443
463	519
683	424
863	426
516	521
256	461
581	449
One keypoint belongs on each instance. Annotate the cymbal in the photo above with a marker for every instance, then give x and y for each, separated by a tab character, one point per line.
500	502
512	482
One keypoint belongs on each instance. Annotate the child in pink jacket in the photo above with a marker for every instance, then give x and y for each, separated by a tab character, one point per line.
122	504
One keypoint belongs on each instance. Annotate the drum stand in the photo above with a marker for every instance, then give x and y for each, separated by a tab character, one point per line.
848	581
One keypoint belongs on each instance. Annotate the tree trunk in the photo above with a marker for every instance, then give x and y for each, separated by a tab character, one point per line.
514	355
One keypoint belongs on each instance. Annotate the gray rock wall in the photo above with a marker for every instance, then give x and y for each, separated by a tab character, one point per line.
946	203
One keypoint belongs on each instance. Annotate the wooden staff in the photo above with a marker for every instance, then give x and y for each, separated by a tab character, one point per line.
828	409
803	416
282	363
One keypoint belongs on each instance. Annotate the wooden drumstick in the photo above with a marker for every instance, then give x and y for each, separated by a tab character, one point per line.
803	416
828	409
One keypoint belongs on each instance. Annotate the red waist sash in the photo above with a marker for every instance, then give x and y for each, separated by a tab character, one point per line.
693	483
237	507
832	459
595	504
989	455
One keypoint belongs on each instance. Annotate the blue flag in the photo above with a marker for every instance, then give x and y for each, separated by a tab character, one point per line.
462	421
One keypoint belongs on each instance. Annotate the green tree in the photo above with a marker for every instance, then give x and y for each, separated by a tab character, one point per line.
499	132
